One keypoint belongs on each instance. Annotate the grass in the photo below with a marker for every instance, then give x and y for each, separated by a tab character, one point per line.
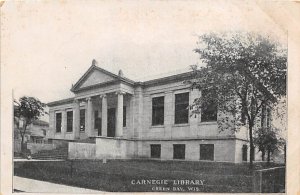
116	175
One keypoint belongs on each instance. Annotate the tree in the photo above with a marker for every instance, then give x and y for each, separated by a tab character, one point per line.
242	73
28	109
267	141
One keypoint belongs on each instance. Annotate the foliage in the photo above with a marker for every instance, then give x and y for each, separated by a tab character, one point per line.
28	109
267	140
243	72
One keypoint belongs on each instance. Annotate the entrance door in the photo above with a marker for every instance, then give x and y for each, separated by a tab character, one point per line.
111	122
98	125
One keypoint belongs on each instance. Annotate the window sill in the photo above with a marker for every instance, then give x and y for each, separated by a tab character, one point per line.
57	132
181	125
69	132
208	123
157	126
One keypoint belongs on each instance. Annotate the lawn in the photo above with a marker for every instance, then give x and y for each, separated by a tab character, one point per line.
122	175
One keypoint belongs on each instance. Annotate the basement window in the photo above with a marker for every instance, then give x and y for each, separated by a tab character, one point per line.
155	150
178	151
207	152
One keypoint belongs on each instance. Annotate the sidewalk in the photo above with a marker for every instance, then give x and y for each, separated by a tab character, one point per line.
28	160
31	185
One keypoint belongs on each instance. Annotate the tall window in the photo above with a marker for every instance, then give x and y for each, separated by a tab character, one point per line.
269	116
82	120
209	110
58	122
263	115
181	108
158	110
69	121
124	116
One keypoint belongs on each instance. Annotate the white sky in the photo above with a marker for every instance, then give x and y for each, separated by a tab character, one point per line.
49	45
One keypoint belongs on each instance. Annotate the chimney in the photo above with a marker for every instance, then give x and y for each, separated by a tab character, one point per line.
120	73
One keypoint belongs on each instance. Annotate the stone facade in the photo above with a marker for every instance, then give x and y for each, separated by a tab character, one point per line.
122	109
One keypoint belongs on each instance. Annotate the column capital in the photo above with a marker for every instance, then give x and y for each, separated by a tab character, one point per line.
88	99
76	101
120	92
103	95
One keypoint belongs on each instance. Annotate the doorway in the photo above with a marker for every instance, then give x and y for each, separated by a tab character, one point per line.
111	122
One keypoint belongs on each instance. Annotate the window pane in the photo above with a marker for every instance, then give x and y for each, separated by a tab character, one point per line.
69	121
209	110
209	113
269	117
155	150
179	151
206	151
158	111
82	120
181	108
58	122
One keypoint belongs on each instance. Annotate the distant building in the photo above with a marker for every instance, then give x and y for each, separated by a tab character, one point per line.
35	132
148	119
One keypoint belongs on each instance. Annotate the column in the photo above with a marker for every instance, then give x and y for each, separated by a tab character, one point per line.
119	120
104	115
89	125
76	118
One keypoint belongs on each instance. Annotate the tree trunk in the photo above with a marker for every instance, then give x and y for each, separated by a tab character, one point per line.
22	143
251	145
22	137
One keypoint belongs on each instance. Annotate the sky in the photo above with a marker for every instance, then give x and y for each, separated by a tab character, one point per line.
48	45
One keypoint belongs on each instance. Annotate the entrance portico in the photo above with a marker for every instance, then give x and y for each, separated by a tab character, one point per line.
109	107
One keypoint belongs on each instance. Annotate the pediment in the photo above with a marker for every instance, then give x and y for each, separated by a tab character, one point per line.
94	76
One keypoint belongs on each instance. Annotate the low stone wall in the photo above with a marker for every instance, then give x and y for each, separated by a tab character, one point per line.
81	150
113	148
36	147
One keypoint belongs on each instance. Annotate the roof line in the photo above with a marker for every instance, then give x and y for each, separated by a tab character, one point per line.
84	76
62	101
